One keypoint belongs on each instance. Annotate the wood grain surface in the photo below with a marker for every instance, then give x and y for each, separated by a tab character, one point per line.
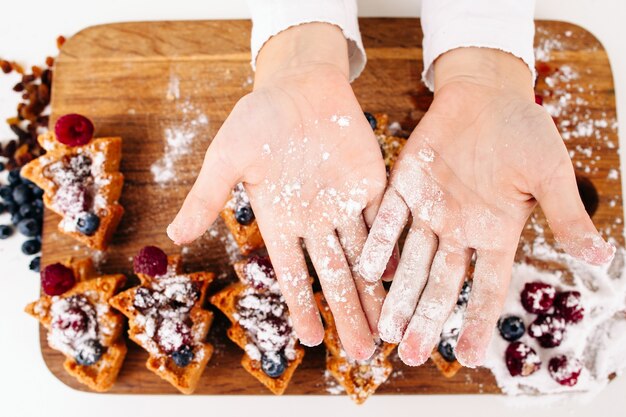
177	81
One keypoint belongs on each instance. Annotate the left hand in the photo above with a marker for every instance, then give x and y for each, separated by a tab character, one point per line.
470	175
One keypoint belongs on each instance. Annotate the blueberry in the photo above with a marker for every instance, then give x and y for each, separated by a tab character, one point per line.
89	353
2	166
273	366
13	207
22	193
6	193
31	247
38	204
35	264
511	328
371	119
14	177
16	218
465	293
244	215
183	356
5	231
87	223
27	211
37	192
446	350
28	227
3	207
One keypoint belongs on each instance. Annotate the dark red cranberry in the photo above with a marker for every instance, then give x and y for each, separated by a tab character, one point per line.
548	329
74	130
74	319
521	359
565	370
567	305
151	261
56	279
537	297
538	99
260	272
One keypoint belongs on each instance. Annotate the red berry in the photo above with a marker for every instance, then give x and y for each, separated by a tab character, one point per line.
548	329
74	130
537	297
567	305
521	359
56	279
538	99
151	261
260	272
565	370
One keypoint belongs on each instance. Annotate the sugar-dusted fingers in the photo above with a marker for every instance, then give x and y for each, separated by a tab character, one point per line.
341	294
408	283
490	284
386	229
295	284
352	236
573	229
446	277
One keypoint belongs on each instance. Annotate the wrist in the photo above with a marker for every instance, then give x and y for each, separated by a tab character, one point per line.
485	67
299	49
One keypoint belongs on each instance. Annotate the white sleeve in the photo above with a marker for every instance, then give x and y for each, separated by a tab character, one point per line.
506	25
270	17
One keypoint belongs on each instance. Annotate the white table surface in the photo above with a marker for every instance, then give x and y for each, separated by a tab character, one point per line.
27	388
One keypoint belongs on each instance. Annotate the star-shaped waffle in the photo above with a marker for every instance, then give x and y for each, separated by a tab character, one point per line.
105	154
227	300
98	290
248	237
186	378
360	379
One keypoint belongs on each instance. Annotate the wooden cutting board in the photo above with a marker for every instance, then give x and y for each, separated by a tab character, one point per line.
177	81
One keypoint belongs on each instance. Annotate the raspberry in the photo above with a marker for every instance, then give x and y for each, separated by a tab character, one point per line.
537	297
74	130
567	305
565	370
151	261
521	359
548	329
260	272
56	279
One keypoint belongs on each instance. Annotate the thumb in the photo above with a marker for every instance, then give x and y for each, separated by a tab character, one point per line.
209	193
572	227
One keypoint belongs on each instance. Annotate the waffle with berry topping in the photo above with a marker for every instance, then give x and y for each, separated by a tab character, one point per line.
391	141
239	218
362	378
260	324
75	310
166	318
82	184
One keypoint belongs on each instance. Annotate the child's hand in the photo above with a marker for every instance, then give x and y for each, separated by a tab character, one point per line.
313	171
470	175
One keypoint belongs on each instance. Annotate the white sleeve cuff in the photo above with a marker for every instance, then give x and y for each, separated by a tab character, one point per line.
270	17
506	25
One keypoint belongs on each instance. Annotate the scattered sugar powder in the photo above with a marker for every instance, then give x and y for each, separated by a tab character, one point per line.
178	137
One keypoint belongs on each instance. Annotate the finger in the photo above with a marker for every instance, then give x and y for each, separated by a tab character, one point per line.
341	294
295	284
410	278
572	227
490	284
389	223
370	215
447	274
209	193
352	236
